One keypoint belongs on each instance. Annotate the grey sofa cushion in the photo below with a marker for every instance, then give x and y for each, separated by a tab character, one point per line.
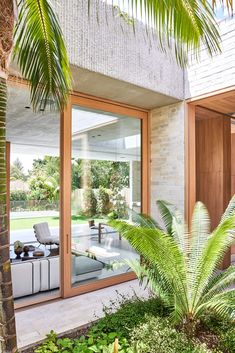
83	264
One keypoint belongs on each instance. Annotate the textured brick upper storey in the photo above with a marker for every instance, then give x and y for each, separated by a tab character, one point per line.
211	74
102	42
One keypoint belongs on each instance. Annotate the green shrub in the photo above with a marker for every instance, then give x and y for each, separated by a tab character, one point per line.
89	202
18	195
124	314
156	335
227	341
99	343
103	202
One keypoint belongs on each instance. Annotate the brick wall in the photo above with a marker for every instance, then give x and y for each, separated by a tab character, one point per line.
167	156
109	46
211	74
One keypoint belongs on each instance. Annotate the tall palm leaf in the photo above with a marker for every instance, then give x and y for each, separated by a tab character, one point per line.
41	55
182	25
187	281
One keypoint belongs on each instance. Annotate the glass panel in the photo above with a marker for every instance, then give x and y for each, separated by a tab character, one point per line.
106	182
34	198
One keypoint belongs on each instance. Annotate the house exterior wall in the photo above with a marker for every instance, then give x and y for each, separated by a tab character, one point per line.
211	74
109	46
167	156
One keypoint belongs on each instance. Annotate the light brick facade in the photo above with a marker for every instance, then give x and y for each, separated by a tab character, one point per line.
211	74
167	156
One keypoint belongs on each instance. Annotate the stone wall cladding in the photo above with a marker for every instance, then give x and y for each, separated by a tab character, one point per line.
211	74
108	46
167	156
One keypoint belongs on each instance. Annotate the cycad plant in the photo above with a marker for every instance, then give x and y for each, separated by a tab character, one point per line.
181	267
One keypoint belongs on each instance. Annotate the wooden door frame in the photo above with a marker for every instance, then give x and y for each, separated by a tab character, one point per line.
190	160
67	290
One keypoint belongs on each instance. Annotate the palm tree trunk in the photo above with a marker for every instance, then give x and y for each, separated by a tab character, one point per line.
7	316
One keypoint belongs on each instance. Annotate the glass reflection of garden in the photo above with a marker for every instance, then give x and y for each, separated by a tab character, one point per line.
35	194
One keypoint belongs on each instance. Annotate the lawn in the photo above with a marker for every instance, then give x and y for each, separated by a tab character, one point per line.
27	223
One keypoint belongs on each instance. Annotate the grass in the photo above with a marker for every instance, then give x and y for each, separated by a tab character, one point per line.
27	223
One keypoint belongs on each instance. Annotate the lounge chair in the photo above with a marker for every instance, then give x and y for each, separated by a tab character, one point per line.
43	234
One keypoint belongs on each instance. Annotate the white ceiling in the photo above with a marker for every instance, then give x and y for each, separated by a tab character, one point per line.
96	135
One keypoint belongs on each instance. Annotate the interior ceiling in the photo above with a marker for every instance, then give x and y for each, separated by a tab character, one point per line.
96	135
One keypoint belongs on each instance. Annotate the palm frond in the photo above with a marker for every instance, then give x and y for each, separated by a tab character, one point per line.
223	304
200	231
167	212
220	283
143	220
181	25
41	54
212	255
161	251
174	223
230	210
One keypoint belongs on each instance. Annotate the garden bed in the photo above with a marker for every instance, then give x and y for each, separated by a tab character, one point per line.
141	326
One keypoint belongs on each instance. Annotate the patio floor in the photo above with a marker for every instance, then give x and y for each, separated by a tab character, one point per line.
34	323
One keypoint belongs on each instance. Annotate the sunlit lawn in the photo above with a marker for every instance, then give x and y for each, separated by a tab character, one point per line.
27	223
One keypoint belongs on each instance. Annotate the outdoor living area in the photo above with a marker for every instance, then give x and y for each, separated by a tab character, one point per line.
105	184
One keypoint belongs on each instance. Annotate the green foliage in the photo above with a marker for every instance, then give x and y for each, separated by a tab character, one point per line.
124	314
141	326
89	202
41	54
103	202
227	340
100	173
17	170
43	188
157	335
179	25
117	183
94	342
182	273
48	166
18	195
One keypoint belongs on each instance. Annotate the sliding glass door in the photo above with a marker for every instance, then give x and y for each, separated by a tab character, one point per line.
103	164
106	184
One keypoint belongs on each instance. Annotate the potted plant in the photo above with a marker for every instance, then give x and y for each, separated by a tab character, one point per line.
18	248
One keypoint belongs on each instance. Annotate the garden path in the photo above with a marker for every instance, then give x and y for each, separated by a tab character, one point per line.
66	314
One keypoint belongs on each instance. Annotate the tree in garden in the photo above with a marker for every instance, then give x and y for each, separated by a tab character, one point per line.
17	170
118	181
181	267
103	201
41	56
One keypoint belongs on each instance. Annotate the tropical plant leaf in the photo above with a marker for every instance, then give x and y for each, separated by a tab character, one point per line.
161	251
180	25
167	212
41	54
230	210
143	220
212	255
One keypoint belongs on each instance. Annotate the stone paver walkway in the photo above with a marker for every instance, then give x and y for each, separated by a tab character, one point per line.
63	315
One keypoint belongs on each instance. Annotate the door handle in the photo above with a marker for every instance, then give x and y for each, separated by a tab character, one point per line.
67	241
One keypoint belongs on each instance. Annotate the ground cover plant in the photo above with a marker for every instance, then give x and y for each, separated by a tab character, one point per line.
141	326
